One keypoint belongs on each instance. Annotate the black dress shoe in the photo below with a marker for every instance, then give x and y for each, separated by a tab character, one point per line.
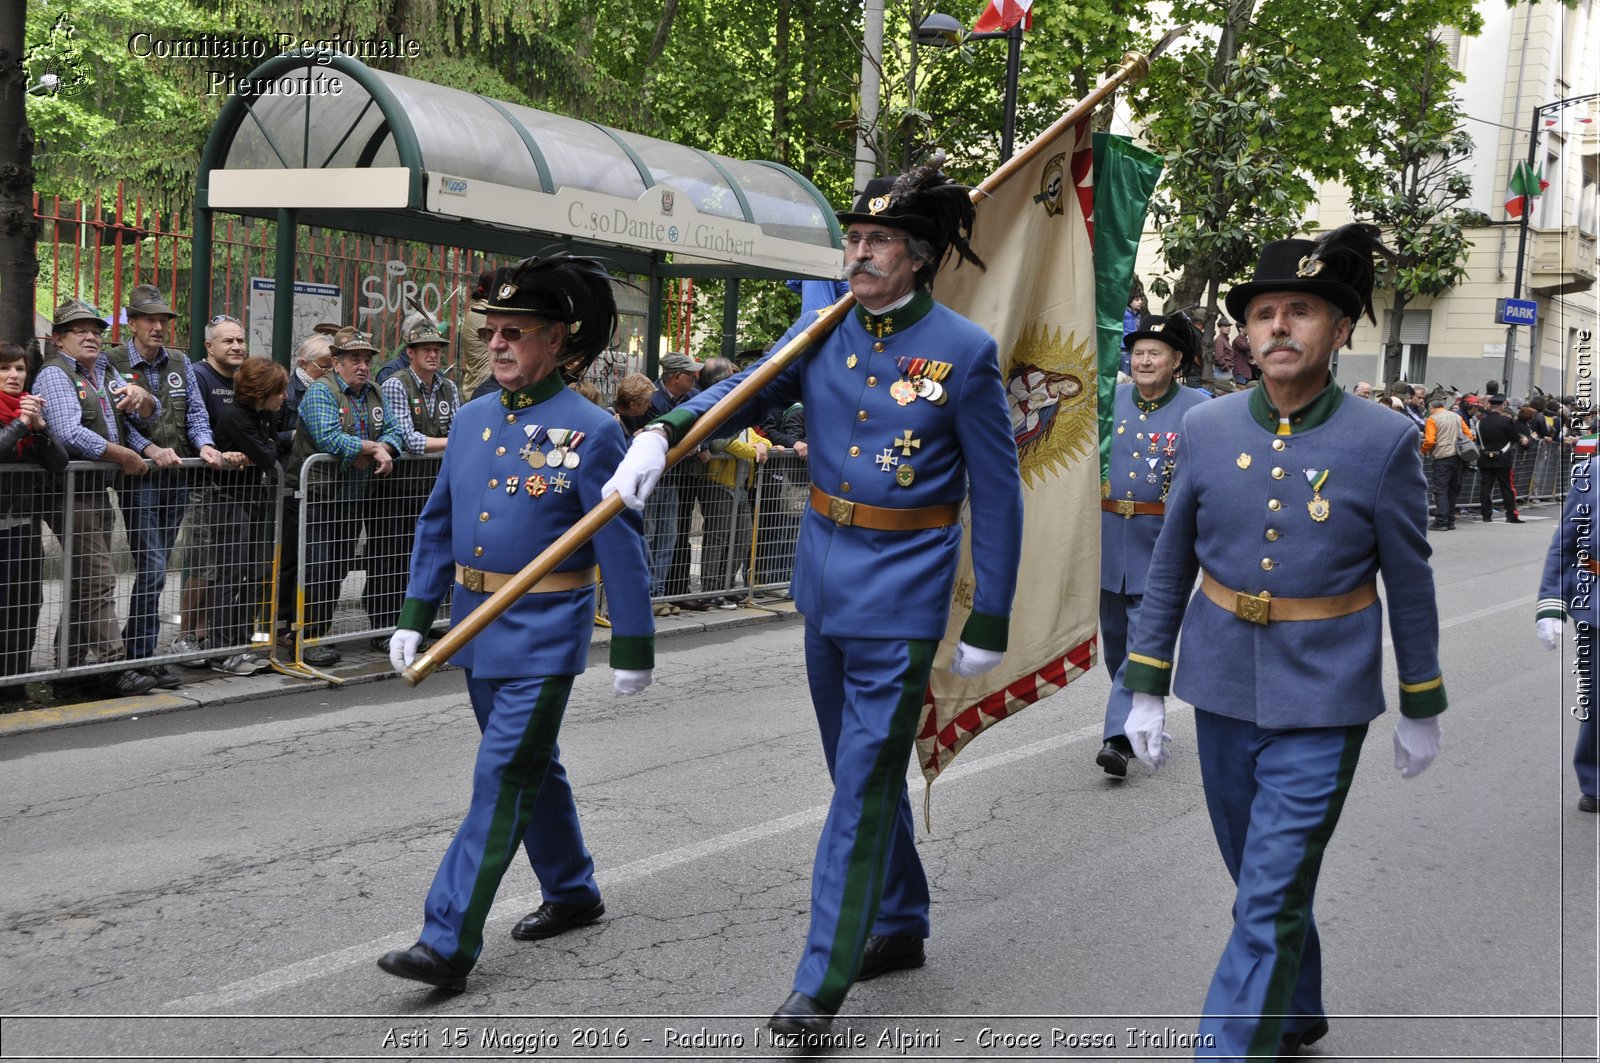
1289	1044
800	1017
1515	520
890	952
421	964
550	919
165	677
1589	803
1113	756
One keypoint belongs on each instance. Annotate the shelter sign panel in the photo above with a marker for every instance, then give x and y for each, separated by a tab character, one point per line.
313	304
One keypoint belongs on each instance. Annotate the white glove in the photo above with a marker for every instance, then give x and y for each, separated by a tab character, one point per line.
403	646
1550	628
630	681
970	661
1416	743
1144	729
638	470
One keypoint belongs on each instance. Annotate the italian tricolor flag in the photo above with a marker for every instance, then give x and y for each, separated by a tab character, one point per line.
1003	14
1527	185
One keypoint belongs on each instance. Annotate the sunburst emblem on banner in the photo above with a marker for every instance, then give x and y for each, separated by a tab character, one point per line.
1050	392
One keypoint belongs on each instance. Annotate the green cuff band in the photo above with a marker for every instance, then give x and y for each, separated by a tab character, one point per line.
416	615
1147	678
986	632
1551	614
1421	700
678	422
634	653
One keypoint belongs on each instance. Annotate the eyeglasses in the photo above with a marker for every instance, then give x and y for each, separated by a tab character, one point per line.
220	318
876	241
511	332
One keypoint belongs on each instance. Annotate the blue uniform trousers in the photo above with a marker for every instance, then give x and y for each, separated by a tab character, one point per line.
1586	756
1274	797
520	794
867	879
1118	612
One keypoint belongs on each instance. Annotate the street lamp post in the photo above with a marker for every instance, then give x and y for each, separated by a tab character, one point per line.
943	31
1522	240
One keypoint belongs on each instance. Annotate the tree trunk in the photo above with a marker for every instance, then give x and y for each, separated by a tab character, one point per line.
780	81
1392	346
19	231
658	43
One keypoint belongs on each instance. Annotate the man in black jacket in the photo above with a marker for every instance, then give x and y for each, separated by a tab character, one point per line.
1501	441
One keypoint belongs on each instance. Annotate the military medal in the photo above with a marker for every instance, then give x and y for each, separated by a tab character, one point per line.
511	484
1172	444
534	458
1151	478
559	482
1318	506
907	443
571	460
902	391
530	451
887	460
535	486
904	474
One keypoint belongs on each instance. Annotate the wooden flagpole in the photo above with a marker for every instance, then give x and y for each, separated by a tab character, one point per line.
1133	68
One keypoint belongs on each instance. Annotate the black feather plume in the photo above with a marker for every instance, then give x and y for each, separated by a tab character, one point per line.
1349	250
947	206
578	289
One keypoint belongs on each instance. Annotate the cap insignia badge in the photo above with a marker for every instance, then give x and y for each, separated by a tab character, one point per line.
1309	267
877	204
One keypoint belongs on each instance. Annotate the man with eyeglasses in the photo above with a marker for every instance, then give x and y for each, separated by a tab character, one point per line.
153	508
907	420
96	414
522	466
342	415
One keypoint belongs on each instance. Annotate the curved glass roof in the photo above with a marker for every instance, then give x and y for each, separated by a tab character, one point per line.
381	120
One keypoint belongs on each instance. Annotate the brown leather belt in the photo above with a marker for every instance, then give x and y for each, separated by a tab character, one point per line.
481	582
1263	608
844	512
1127	507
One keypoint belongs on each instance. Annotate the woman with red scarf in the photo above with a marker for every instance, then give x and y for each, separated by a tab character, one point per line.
22	439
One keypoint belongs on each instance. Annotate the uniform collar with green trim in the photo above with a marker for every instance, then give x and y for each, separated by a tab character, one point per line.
1312	414
533	394
900	318
1144	405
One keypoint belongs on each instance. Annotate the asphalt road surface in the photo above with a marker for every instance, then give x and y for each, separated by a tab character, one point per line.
219	883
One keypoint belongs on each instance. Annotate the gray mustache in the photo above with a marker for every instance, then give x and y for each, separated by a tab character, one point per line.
862	265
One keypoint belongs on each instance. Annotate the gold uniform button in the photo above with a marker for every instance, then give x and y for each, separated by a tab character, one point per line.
477	551
494	483
511	418
855	452
499	450
1266	563
1277	444
1272	535
878	346
872	381
861	415
482	517
1277	474
1133	476
844	488
1274	505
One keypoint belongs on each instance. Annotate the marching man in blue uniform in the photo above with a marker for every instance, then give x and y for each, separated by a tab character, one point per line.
1288	503
1571	587
906	418
523	464
1145	423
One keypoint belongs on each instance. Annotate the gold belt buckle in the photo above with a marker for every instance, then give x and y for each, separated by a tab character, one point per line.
1125	508
1254	608
840	511
474	580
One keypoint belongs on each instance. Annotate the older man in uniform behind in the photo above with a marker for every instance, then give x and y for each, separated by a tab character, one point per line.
1146	416
521	468
1290	500
907	418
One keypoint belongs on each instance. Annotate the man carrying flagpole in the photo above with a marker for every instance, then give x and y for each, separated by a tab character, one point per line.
907	419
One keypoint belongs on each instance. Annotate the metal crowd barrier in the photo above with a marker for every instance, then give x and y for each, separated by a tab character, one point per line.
1540	472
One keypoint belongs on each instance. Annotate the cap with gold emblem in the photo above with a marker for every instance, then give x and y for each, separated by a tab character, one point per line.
145	299
925	203
74	310
572	289
349	340
1337	266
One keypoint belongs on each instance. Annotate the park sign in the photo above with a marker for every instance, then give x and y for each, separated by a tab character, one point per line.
1516	312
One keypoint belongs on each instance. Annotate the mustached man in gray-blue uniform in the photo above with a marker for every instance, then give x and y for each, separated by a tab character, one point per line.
1146	439
1288	504
1570	586
522	465
906	418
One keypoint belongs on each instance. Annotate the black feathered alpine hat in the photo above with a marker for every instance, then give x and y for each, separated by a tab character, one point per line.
1175	330
925	203
1337	266
568	288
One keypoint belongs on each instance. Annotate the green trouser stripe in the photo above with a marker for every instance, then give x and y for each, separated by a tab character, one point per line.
863	881
513	810
1292	923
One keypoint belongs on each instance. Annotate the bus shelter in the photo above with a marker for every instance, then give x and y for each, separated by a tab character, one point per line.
320	139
